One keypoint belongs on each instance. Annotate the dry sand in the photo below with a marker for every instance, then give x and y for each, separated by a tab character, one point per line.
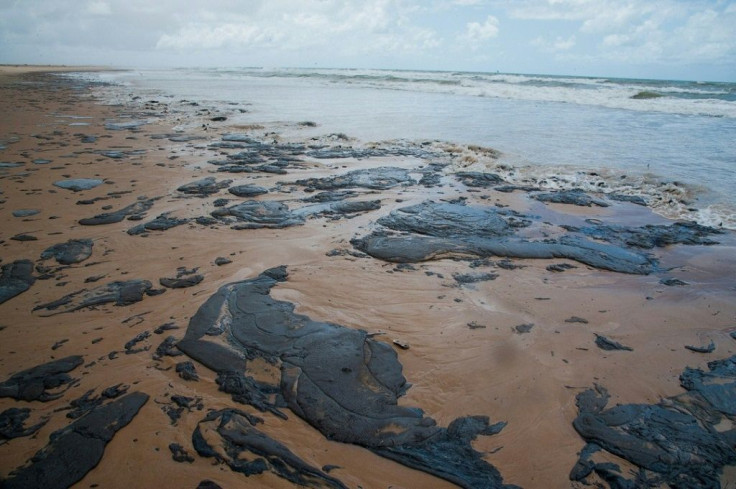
528	380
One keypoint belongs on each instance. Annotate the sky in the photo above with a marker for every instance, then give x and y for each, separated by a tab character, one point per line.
665	39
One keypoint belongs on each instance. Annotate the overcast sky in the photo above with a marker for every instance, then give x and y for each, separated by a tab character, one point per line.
682	39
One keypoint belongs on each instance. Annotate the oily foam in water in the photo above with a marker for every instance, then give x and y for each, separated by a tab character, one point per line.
669	199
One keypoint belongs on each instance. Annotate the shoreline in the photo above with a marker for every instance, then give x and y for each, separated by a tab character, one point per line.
613	157
9	72
465	356
19	69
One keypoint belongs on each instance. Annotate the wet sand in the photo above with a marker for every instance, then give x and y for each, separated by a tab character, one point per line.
465	354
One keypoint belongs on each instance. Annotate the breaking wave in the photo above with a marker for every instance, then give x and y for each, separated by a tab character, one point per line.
675	97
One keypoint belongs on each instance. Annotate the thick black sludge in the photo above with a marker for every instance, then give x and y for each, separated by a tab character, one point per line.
572	197
32	384
160	223
15	278
136	210
448	220
651	235
204	187
331	196
271	157
683	442
479	179
75	450
250	451
434	230
79	184
257	156
12	424
181	283
609	345
382	178
255	214
247	190
184	278
73	251
339	209
340	380
120	293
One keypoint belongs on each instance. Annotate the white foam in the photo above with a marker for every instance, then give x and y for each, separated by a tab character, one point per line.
616	94
586	91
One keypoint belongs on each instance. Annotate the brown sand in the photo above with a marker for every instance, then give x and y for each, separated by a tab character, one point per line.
529	380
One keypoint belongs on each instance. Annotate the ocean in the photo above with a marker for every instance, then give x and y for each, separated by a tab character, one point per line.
673	142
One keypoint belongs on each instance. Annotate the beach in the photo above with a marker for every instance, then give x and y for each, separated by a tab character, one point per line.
349	300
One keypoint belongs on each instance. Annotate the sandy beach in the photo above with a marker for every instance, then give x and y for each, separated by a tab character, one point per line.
475	332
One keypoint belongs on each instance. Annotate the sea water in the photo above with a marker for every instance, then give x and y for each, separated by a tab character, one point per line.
663	132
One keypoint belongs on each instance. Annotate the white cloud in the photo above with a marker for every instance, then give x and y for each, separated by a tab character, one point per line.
477	33
614	40
197	36
99	8
549	9
559	44
294	25
564	44
596	15
447	34
696	36
706	36
638	31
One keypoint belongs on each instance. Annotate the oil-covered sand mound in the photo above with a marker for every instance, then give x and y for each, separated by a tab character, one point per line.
433	230
683	441
340	380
